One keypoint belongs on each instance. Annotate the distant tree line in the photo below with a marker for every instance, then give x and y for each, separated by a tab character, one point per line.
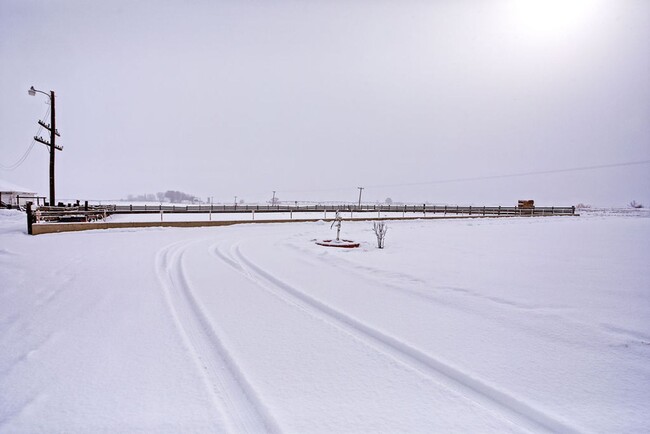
167	196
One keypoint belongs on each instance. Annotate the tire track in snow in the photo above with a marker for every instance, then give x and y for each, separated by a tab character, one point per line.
382	278
499	402
231	392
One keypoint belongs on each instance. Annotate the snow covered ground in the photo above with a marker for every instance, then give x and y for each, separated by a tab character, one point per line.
495	325
257	216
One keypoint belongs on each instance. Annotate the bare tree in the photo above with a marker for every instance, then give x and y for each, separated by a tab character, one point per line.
337	222
380	229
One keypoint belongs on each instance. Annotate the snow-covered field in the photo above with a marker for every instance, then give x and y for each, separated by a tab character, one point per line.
257	216
496	325
249	216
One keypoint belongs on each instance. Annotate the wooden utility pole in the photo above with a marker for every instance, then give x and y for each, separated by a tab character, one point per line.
360	190
51	127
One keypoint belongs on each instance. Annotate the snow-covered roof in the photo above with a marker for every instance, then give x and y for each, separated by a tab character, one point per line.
8	186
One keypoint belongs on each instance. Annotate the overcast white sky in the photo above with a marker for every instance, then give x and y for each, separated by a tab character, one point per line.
315	98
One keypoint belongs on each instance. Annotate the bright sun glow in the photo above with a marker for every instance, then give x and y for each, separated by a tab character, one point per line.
546	19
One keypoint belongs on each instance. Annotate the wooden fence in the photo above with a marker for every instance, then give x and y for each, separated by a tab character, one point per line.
51	219
423	209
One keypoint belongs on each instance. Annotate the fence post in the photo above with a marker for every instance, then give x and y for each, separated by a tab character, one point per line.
483	210
499	210
130	207
29	218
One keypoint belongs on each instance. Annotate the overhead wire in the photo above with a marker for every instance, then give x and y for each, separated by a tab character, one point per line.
514	175
480	178
22	158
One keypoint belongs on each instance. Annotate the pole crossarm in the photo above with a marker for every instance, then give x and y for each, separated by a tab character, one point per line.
46	143
48	127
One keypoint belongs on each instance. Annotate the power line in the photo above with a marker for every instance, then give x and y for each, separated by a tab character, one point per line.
514	175
481	178
22	159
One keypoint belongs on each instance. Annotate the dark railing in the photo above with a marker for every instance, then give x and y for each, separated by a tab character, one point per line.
422	209
411	209
89	213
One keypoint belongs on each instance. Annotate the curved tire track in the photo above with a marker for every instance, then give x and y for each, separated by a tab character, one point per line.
486	395
431	297
231	392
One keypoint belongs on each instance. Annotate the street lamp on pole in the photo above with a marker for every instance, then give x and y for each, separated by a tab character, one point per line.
53	134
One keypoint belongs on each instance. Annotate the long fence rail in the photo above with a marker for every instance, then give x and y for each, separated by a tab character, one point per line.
97	211
88	213
424	209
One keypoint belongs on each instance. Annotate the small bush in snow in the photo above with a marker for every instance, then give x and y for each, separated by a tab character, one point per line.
380	229
634	204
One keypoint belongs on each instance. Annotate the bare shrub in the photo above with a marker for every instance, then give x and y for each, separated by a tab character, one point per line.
636	205
380	229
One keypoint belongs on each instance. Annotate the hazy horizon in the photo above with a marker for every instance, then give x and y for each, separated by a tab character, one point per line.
416	101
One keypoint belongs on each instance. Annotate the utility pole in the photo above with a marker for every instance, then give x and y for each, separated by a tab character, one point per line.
273	199
360	190
235	201
51	127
